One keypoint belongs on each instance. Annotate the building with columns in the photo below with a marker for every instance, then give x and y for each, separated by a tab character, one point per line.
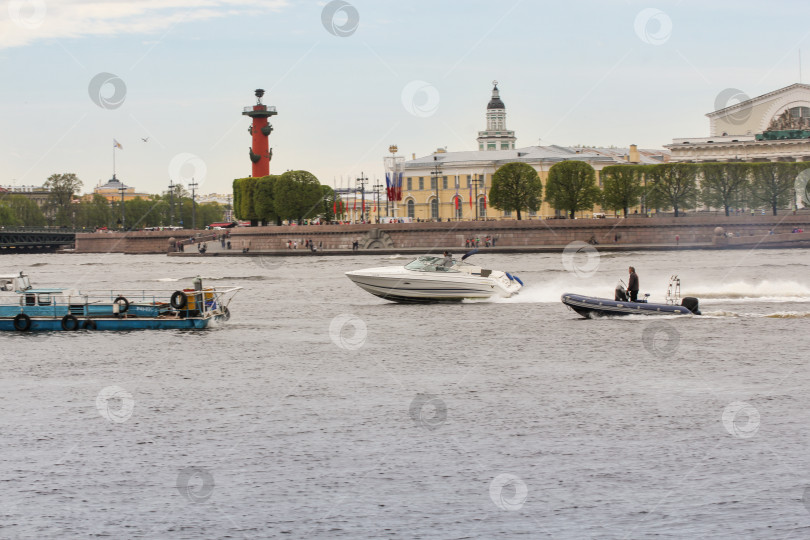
771	127
454	185
111	191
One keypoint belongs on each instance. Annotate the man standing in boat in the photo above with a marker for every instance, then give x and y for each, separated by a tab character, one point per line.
632	285
448	259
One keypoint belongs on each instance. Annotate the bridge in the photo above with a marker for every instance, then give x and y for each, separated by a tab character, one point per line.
35	239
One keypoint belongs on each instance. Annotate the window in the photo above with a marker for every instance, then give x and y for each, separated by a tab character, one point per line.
411	211
481	146
434	208
505	146
482	207
444	182
469	180
410	183
490	146
507	213
421	182
434	181
458	204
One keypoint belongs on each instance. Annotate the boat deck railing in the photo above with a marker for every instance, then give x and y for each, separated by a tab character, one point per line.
112	302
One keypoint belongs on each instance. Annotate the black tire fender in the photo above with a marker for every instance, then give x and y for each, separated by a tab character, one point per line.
70	323
123	304
89	324
22	322
179	300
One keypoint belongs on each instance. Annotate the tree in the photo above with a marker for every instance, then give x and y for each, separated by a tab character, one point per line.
62	187
723	183
330	199
94	213
571	186
675	184
208	213
26	211
7	217
773	183
297	195
516	186
247	200
264	205
621	187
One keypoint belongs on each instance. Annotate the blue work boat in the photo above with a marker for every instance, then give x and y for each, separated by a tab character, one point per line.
590	306
24	308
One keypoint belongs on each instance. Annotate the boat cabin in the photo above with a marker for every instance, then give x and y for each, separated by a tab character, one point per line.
15	283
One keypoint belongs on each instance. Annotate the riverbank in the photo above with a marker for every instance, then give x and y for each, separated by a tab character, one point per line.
633	233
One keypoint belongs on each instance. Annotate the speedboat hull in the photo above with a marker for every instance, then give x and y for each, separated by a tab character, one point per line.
589	306
400	285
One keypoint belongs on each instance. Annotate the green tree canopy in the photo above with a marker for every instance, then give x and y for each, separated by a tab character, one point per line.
94	213
621	187
571	186
675	185
264	205
62	187
298	195
516	186
7	217
26	211
330	199
773	184
723	184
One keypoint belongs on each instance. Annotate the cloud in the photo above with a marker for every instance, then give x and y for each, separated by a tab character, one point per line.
28	21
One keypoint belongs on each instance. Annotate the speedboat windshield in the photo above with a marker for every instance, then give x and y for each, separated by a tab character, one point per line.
429	264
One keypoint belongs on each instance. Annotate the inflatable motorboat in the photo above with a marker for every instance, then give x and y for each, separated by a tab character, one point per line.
590	306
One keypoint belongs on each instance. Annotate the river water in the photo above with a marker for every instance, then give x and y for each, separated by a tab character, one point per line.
320	411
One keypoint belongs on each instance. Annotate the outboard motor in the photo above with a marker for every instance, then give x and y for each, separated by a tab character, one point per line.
621	293
691	303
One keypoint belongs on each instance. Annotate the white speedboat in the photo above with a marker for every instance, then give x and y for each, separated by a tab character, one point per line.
436	279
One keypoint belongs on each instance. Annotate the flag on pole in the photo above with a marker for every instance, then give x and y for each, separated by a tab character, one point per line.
388	186
117	144
469	181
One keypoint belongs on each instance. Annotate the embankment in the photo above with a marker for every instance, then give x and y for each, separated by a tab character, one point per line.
689	230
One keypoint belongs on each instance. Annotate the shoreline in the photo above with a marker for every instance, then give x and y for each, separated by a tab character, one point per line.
610	248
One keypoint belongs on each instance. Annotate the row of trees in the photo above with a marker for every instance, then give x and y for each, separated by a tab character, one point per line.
571	186
64	208
291	196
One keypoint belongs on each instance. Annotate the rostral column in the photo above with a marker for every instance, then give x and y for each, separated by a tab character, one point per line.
260	153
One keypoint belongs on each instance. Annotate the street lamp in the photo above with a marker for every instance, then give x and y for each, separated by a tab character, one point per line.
122	189
362	181
171	203
377	188
476	180
434	179
193	185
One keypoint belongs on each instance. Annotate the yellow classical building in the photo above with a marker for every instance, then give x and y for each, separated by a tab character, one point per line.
454	185
113	188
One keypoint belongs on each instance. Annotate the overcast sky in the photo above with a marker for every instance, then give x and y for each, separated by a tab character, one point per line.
349	79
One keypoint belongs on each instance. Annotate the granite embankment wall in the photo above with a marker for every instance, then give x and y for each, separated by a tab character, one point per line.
556	232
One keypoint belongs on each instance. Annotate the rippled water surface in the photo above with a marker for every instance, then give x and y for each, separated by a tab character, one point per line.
320	411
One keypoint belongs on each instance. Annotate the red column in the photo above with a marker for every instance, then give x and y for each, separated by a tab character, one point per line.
260	145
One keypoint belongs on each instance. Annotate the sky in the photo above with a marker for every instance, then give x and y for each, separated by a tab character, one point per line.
351	78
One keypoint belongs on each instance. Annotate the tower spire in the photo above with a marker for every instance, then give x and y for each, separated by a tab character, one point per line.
496	136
